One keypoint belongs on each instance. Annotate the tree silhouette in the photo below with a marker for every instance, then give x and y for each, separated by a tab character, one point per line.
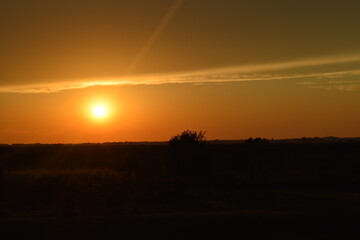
188	137
186	155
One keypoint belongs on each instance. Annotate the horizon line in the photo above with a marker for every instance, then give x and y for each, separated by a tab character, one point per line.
166	141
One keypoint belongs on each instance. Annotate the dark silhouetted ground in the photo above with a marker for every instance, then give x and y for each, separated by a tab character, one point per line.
306	189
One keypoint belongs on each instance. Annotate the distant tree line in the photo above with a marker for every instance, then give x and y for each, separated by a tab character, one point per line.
257	140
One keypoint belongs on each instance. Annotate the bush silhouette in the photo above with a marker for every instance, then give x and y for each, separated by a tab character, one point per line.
188	138
187	158
257	140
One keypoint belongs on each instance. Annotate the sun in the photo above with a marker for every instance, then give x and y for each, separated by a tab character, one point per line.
100	111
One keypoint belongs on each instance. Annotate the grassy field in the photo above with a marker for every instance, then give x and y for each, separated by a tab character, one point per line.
137	191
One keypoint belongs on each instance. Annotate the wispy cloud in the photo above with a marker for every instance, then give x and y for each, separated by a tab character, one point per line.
306	70
337	85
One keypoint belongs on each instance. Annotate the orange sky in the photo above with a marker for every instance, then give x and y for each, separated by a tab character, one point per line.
235	69
276	109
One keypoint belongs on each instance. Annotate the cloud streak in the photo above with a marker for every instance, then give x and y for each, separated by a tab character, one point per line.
339	67
334	85
155	35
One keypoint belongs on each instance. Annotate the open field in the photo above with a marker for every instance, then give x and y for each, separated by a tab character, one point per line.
269	190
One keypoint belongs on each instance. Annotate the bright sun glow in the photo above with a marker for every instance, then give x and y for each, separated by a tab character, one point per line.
100	111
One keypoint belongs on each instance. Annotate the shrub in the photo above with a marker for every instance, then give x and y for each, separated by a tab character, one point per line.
188	138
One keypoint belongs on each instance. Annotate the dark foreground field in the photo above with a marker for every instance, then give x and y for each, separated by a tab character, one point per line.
156	191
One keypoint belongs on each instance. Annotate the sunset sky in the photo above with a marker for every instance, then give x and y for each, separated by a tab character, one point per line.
76	71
